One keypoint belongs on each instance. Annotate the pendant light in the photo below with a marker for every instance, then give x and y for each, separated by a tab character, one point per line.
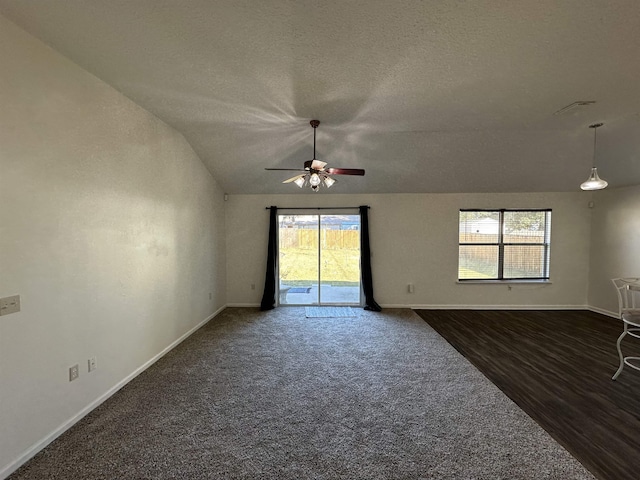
594	182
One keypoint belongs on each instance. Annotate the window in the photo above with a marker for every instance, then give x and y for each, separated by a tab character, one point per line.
504	244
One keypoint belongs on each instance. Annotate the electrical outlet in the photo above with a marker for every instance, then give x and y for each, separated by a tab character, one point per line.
92	363
9	305
74	372
253	286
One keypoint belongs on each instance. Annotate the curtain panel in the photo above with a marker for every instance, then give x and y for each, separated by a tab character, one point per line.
365	261
269	296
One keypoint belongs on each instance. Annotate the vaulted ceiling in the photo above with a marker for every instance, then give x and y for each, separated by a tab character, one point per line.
427	96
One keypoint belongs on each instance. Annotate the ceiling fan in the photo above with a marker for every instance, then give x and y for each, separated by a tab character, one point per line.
316	172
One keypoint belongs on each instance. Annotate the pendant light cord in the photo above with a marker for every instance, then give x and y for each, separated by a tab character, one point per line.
595	135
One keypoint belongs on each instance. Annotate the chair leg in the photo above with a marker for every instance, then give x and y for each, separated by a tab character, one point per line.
615	375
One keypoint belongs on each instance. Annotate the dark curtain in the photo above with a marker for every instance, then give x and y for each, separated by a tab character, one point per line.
365	261
269	296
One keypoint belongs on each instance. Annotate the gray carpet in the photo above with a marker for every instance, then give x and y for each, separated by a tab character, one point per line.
329	312
274	396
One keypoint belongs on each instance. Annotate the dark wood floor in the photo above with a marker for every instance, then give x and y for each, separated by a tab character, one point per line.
557	366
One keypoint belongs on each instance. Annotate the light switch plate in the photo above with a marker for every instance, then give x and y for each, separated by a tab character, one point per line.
9	305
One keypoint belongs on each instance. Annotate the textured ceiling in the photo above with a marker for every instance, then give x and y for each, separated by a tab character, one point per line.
427	96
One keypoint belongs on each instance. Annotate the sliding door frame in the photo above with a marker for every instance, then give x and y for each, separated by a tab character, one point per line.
315	212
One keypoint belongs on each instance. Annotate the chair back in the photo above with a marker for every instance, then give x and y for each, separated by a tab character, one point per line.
628	290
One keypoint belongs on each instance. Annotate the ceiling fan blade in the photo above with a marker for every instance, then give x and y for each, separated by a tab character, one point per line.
293	179
318	165
345	171
285	169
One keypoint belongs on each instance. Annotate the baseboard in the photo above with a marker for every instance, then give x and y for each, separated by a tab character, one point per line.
470	307
37	447
604	312
489	307
457	307
601	311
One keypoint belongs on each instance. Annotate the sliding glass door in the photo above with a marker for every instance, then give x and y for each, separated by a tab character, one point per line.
319	259
298	259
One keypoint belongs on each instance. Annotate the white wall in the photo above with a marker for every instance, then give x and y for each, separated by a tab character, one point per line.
414	240
111	230
615	244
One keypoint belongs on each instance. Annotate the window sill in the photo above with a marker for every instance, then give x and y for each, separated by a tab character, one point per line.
504	282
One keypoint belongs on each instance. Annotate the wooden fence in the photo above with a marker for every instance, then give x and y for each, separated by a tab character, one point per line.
533	237
527	260
330	239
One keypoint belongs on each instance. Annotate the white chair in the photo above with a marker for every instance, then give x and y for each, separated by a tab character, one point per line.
628	290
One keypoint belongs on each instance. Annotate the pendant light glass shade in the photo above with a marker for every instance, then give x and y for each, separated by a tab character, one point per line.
594	182
300	181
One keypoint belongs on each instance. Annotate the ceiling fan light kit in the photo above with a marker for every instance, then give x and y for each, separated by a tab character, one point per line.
316	172
314	180
594	182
